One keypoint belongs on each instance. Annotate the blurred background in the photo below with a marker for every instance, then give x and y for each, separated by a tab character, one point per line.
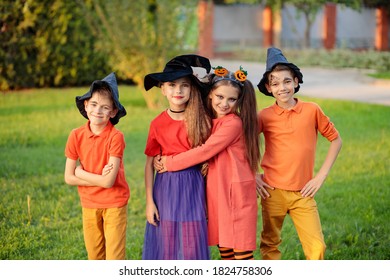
55	43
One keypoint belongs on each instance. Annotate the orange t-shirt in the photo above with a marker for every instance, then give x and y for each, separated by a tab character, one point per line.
166	136
94	151
290	143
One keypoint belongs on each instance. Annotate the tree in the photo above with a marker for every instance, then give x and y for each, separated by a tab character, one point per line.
46	43
141	36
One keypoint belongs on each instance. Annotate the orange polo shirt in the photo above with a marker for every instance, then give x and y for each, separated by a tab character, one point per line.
290	143
94	151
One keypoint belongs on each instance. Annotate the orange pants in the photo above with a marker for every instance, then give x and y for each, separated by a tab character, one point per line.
105	233
304	214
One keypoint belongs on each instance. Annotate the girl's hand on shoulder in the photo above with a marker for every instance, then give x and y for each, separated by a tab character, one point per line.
261	187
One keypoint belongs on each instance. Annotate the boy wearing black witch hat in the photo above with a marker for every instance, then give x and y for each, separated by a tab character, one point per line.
288	185
104	192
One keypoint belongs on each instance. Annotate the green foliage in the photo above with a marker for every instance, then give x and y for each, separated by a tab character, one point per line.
141	36
40	216
65	43
382	75
46	43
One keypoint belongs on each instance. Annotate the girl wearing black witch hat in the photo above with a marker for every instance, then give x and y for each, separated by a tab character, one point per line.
175	201
233	155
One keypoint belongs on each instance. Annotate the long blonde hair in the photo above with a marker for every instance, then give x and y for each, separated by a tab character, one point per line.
198	122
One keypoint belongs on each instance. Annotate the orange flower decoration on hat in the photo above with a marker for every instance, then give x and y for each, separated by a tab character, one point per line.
220	71
240	75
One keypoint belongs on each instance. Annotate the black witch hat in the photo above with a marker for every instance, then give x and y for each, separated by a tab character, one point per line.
179	67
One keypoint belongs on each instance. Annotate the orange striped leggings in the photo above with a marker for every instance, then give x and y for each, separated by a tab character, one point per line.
235	254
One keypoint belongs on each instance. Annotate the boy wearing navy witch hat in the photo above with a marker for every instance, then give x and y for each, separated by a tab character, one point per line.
288	184
99	175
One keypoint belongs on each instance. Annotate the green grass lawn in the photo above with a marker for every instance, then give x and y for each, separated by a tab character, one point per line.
40	216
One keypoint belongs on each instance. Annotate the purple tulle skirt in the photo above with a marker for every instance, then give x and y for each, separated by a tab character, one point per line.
181	233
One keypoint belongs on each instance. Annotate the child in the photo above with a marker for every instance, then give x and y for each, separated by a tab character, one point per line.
290	128
175	201
233	154
104	194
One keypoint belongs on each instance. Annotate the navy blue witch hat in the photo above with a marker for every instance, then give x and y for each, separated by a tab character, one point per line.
110	80
179	67
275	57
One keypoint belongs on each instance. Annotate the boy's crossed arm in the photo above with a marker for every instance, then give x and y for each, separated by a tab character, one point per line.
76	175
